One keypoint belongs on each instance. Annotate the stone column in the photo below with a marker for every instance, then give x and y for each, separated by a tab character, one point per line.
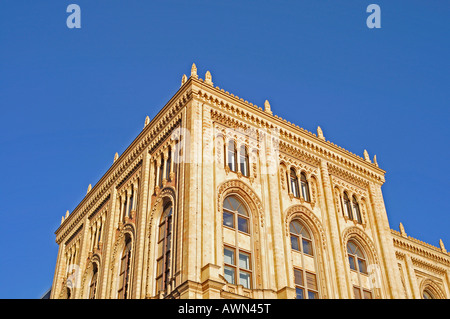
386	241
141	223
59	272
412	279
333	228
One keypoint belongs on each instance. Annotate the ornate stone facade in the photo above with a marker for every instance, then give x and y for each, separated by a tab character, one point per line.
220	198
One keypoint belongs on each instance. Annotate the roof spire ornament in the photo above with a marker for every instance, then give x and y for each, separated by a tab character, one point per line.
183	79
208	78
147	120
62	220
116	156
366	156
375	160
320	133
441	243
402	231
194	71
89	188
267	107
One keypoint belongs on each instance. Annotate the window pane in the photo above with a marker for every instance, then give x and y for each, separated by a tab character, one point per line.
228	219
307	247
352	262
298	277
294	243
367	294
244	261
243	224
300	294
313	295
229	274
244	279
362	266
357	292
228	256
311	281
159	267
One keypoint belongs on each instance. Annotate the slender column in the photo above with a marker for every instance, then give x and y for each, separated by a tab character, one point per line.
111	223
140	227
334	232
412	279
386	241
59	272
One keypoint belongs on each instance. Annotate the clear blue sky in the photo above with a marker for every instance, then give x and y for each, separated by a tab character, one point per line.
71	98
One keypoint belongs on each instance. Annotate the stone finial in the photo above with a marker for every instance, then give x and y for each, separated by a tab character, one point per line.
116	156
366	156
441	243
89	188
208	78
267	107
194	71
67	214
62	220
147	120
375	160
183	79
402	231
320	133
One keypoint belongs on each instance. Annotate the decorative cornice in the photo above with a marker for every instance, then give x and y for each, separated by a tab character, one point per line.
420	248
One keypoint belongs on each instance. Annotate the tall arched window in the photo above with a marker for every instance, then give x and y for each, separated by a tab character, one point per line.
305	187
164	249
427	295
237	252
93	284
358	264
232	156
294	183
304	276
168	163
124	272
161	171
347	206
243	161
356	211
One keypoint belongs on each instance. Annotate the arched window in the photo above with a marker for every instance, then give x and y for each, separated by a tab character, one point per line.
168	163
304	278
356	211
305	187
232	156
347	206
164	249
124	272
427	294
243	161
237	256
130	206
357	261
93	284
161	171
294	183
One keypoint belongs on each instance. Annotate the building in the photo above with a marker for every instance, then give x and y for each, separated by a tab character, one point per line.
219	198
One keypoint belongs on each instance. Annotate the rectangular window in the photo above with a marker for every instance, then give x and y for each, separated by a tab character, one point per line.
294	243
228	256
351	260
300	293
362	266
229	274
311	281
367	294
307	247
228	219
357	292
244	279
244	261
243	224
313	295
298	277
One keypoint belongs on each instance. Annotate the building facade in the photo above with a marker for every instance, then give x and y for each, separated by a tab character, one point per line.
220	198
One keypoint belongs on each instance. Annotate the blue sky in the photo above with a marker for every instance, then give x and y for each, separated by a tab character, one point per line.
71	98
